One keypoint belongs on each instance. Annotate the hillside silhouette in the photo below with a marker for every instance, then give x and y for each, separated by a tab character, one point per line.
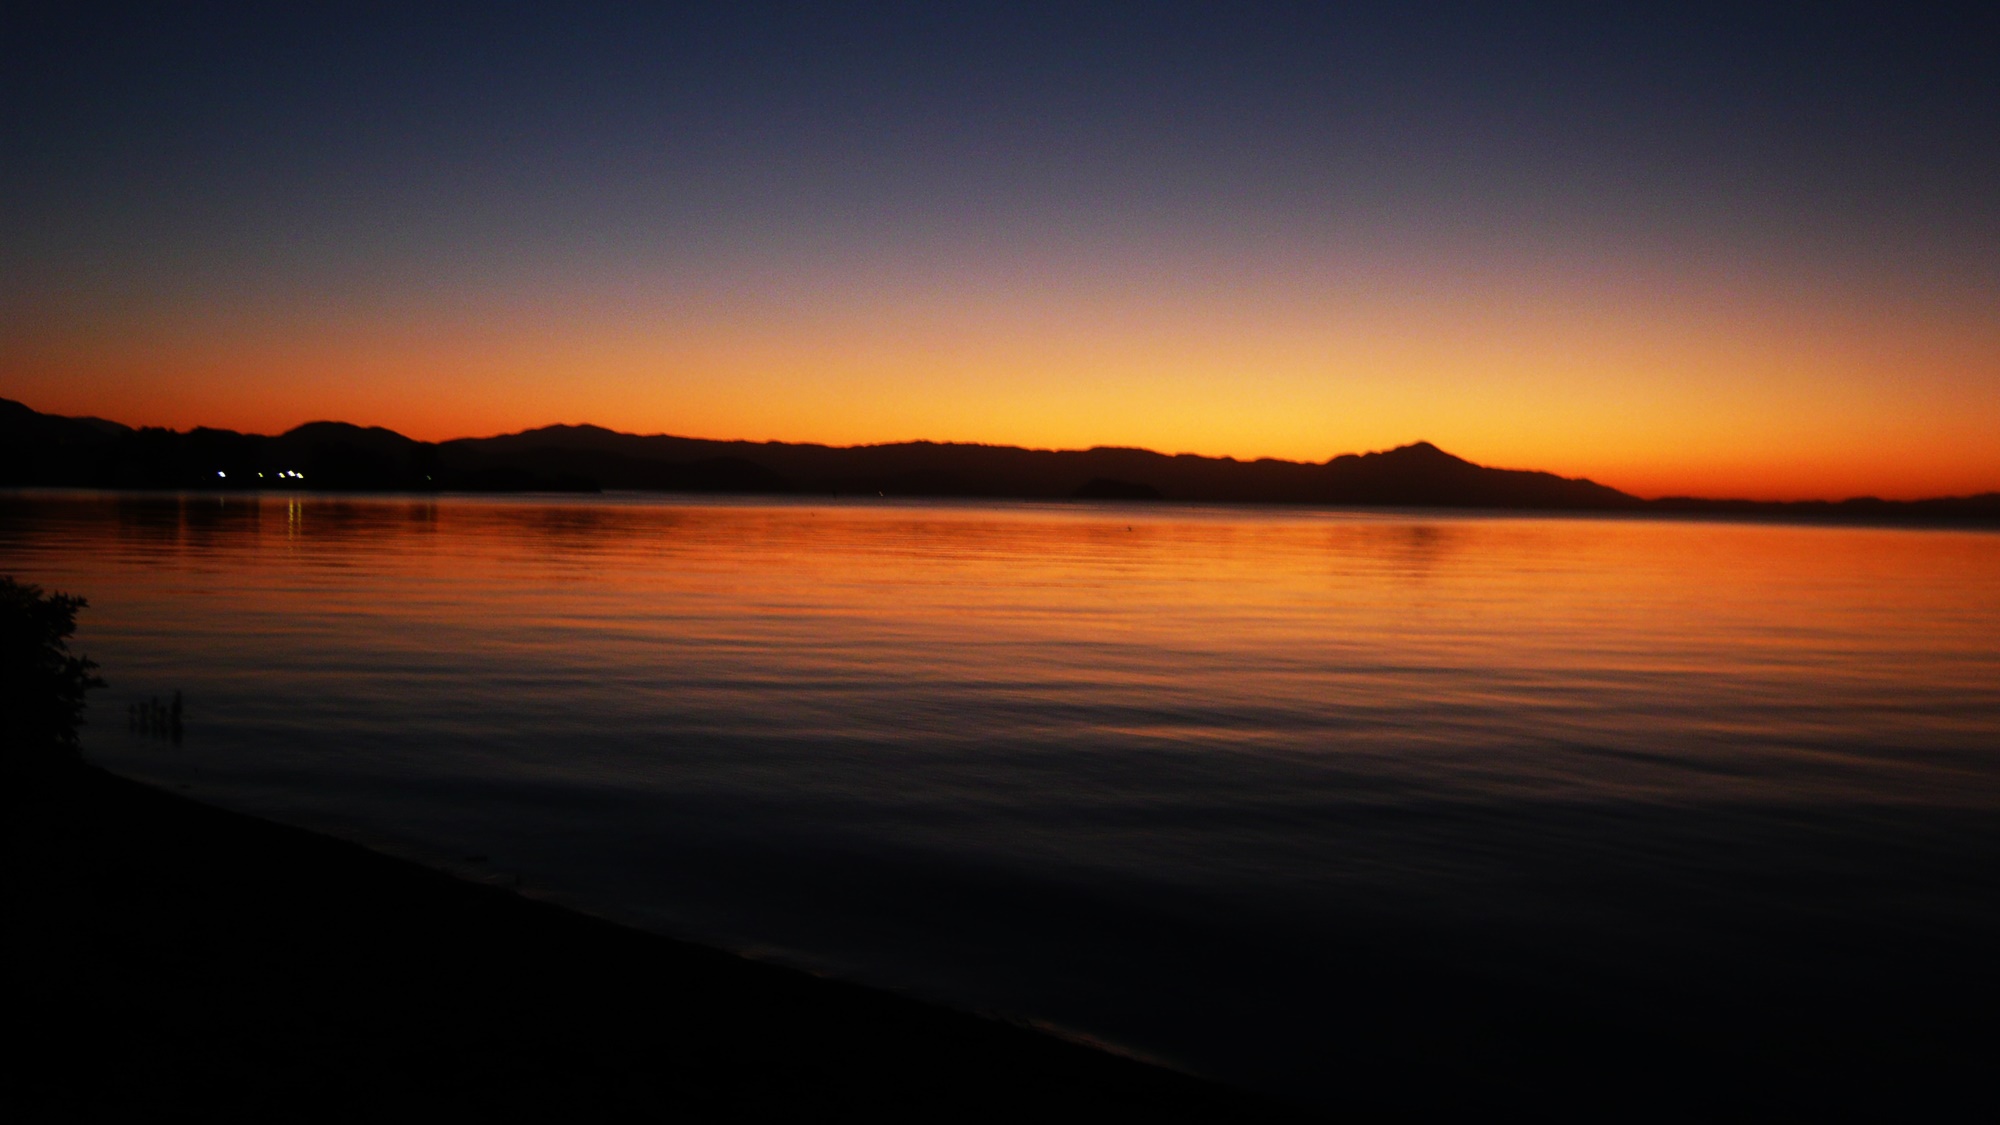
50	450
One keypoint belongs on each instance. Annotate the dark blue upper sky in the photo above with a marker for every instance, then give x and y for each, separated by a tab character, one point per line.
192	121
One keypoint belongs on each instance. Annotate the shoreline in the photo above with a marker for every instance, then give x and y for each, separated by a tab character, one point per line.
169	955
1799	514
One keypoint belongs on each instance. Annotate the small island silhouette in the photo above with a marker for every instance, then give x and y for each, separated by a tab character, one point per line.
39	449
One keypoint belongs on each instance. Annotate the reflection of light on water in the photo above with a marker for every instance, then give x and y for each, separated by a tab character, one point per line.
792	727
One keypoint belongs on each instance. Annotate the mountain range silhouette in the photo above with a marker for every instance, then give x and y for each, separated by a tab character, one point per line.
39	449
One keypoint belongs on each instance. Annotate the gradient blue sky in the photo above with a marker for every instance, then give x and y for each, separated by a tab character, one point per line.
1689	249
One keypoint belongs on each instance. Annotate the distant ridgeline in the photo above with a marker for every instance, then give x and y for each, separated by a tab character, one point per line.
48	450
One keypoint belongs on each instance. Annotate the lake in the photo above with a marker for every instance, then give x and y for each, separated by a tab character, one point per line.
1286	797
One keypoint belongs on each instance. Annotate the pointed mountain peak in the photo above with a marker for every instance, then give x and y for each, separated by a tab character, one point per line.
1419	452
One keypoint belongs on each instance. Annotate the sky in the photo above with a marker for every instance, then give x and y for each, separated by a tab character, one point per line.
1709	250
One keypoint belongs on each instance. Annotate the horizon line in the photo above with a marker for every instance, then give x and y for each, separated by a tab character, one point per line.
1229	458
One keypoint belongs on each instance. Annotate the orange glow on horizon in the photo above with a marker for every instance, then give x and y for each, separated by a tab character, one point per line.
1646	381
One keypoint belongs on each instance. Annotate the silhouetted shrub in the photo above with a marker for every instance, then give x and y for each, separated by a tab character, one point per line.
41	685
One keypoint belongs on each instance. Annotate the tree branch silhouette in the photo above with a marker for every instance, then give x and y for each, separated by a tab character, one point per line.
42	685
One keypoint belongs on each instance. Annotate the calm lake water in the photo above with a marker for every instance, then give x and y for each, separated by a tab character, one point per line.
1230	788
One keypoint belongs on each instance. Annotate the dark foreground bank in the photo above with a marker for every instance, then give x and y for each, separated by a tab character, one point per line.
169	958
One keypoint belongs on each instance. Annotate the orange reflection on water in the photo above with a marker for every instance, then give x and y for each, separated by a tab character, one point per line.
1568	616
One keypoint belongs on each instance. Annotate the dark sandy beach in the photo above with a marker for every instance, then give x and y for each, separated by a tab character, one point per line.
168	958
165	959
